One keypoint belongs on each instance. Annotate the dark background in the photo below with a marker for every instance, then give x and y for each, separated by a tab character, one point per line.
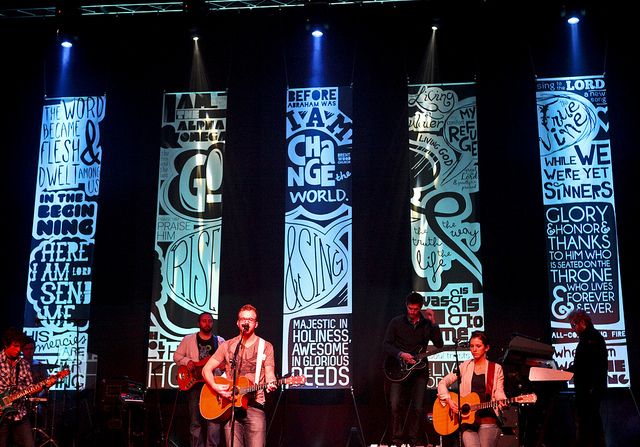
256	55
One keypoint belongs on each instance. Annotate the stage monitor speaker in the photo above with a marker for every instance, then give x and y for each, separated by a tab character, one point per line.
510	417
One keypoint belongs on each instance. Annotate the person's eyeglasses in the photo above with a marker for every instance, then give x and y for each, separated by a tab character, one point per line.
248	320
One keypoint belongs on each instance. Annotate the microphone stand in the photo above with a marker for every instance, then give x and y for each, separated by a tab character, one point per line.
234	364
77	322
457	371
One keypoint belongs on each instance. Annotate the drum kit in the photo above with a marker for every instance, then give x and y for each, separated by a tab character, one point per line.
43	416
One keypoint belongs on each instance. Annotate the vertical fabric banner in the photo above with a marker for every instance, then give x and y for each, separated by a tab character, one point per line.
445	237
63	234
188	224
580	218
318	233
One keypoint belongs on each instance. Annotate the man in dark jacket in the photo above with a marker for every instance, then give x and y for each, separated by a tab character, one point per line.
408	335
590	380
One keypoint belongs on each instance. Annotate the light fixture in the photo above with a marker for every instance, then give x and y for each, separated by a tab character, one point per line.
572	14
67	14
317	29
65	38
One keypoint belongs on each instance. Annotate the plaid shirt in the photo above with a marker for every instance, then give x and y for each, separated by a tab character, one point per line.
8	385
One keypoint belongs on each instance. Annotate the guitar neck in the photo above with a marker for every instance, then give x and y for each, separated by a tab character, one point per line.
252	388
426	354
33	388
491	404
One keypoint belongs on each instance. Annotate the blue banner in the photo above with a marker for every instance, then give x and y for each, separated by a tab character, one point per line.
318	233
63	234
188	224
580	220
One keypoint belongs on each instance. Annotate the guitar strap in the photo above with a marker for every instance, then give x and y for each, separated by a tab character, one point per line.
491	369
259	360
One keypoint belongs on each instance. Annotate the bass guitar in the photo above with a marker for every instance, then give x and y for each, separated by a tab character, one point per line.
8	397
213	406
445	421
397	370
186	378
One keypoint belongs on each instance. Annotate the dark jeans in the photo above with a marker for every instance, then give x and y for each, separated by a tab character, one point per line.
203	433
589	432
407	408
18	431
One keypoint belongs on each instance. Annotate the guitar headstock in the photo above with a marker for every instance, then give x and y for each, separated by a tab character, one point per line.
57	376
294	380
526	399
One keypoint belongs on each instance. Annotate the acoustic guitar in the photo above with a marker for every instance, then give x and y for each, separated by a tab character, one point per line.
186	378
8	397
215	407
445	421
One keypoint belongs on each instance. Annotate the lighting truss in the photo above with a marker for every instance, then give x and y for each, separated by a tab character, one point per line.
160	7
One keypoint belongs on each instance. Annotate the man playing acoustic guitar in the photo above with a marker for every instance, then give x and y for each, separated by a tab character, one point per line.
193	352
254	361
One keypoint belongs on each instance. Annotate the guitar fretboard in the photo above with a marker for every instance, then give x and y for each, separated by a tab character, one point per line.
251	389
491	404
34	388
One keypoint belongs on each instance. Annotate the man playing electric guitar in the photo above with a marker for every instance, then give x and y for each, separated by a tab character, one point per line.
15	375
406	335
192	352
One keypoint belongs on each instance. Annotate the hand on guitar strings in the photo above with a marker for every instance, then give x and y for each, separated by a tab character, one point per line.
223	389
408	358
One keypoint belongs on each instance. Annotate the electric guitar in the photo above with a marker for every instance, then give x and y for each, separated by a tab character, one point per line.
397	370
186	378
214	406
445	421
7	398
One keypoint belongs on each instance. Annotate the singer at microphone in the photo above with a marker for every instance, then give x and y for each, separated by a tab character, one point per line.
247	359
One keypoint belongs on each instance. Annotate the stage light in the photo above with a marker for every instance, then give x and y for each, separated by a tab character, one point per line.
317	29
572	14
65	38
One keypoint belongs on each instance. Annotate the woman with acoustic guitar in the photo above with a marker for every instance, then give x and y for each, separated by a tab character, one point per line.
482	381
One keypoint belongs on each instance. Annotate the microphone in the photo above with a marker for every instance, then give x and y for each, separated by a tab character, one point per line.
245	327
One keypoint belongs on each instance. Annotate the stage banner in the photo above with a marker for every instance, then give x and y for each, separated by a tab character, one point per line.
318	233
445	236
188	225
580	218
63	234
